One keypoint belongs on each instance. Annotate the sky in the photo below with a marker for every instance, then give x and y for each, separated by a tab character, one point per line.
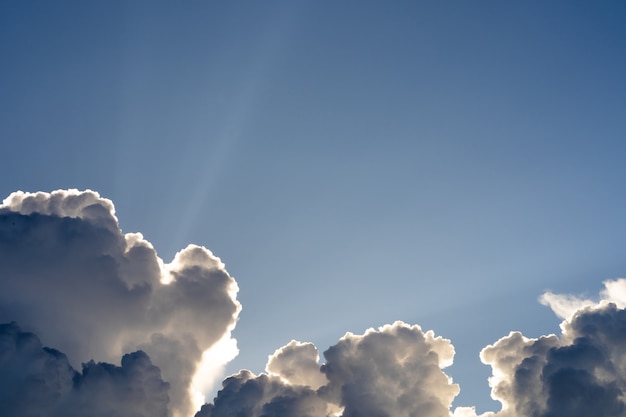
339	166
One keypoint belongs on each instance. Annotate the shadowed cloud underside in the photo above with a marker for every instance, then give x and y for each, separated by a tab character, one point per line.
72	280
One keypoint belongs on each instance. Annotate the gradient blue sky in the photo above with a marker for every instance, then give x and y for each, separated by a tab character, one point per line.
352	163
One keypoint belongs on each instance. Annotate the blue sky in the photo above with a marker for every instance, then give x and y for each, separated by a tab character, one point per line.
352	163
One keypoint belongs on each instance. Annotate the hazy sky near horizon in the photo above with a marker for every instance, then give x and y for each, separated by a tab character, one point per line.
352	163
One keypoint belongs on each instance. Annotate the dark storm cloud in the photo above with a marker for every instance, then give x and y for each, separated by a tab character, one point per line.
93	292
393	371
39	381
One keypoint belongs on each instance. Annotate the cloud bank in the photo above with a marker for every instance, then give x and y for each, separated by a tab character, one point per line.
397	370
72	280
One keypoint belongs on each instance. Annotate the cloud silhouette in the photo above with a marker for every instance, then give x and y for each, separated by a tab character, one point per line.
75	282
93	292
580	373
395	370
39	381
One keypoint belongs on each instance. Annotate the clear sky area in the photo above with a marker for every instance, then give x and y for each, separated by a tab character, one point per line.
352	164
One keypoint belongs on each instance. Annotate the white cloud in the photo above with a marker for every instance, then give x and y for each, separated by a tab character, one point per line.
580	373
565	305
71	276
395	370
95	293
297	363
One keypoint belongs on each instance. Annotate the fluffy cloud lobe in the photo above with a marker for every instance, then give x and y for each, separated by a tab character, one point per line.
69	274
397	371
86	288
581	373
393	371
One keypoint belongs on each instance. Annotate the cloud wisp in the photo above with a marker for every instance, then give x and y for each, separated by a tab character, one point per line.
72	280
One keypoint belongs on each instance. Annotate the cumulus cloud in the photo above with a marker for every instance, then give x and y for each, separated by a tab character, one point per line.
297	363
70	274
580	373
39	381
395	370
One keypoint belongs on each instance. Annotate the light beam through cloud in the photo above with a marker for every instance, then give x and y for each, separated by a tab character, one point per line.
73	281
86	288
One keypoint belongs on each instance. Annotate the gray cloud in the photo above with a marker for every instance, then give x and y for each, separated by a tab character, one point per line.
71	275
393	371
39	381
397	371
245	394
582	373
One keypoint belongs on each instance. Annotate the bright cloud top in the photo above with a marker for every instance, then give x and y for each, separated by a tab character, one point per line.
71	275
566	305
582	373
393	371
73	281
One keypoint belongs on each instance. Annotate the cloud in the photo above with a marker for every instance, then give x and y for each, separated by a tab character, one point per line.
245	394
395	370
565	305
71	276
580	373
39	381
297	363
86	288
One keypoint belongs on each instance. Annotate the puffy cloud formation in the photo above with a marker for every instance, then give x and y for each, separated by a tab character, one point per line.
393	371
86	288
69	274
297	364
397	371
581	373
39	381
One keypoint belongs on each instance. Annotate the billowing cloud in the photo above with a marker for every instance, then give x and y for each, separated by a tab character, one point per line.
93	292
39	381
395	370
297	363
580	373
73	278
